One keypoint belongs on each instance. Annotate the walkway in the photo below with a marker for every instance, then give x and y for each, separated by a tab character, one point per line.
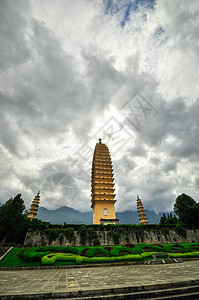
69	280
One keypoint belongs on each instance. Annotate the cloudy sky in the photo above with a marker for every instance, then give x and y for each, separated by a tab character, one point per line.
72	72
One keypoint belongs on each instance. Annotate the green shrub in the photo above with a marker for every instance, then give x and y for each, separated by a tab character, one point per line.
187	247
116	238
147	254
127	238
95	250
50	259
149	247
43	242
131	257
115	251
139	233
122	253
184	255
165	231
138	249
96	240
180	230
36	253
53	234
31	255
90	235
142	247
61	238
69	234
194	247
83	234
79	259
175	249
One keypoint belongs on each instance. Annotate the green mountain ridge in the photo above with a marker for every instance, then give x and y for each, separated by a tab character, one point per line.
72	216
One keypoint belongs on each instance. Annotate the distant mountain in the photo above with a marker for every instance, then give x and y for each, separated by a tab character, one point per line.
64	214
72	216
131	217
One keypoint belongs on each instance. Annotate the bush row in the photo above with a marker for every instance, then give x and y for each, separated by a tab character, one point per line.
36	253
50	259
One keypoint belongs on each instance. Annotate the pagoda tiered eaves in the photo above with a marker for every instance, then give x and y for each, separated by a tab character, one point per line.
102	170
141	212
34	207
102	191
103	176
103	180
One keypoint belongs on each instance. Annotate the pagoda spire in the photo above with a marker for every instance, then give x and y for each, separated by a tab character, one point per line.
34	207
102	186
141	212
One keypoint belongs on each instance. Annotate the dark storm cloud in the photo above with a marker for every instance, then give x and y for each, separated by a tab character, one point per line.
163	143
49	96
175	119
124	166
56	84
13	47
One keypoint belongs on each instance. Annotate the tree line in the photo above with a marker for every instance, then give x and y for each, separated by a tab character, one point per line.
186	210
14	221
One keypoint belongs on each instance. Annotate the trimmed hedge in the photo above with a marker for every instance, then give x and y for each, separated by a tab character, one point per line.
97	250
184	255
173	255
147	254
52	258
35	254
115	251
145	247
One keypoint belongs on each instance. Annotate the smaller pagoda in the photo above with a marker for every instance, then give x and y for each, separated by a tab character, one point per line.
34	207
141	212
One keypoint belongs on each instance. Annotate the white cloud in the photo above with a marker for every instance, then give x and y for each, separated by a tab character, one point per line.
67	68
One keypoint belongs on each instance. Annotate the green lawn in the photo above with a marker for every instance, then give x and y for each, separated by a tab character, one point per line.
12	260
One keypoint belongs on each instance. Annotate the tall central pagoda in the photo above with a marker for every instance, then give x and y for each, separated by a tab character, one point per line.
102	186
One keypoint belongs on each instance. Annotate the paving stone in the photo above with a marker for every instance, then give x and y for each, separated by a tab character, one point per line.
64	280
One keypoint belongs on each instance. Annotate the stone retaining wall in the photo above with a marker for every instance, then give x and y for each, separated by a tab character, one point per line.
109	236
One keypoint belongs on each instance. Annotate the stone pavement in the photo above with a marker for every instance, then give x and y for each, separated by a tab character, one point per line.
91	278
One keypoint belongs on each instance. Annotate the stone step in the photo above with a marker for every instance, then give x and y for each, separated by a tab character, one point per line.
191	292
177	293
179	297
179	290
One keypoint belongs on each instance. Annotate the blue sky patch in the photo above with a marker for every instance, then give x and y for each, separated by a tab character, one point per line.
125	7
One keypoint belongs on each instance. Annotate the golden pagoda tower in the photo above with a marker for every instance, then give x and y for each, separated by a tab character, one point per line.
34	207
102	186
141	212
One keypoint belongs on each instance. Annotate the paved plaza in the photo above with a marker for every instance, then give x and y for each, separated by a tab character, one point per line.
76	279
